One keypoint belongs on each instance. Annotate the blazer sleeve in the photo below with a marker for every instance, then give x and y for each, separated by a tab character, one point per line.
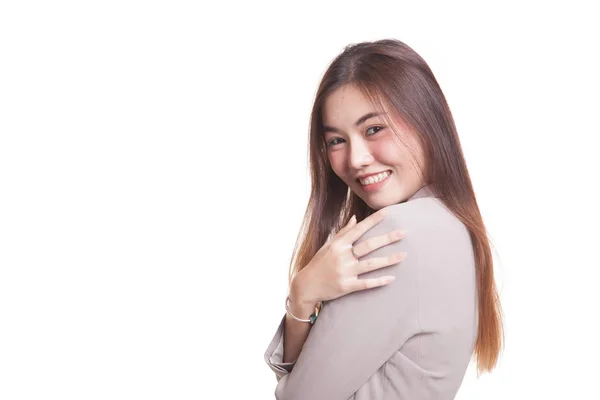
274	353
359	332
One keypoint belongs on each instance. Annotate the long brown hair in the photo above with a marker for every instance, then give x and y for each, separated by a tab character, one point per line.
393	75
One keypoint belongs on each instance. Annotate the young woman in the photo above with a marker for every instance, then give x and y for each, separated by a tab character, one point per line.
391	285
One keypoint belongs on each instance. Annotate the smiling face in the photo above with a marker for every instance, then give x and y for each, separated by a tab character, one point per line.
361	143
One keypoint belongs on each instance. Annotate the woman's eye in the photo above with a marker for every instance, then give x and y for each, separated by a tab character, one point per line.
375	127
332	142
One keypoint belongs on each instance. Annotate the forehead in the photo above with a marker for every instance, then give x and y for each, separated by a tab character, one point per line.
345	105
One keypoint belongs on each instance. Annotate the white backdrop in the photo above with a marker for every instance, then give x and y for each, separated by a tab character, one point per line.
153	177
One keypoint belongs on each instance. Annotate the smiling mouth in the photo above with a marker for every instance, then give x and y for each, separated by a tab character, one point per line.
387	172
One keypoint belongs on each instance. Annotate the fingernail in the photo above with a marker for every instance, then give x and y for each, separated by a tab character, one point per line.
390	278
399	234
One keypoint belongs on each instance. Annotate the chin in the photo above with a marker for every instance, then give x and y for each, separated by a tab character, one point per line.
377	205
387	201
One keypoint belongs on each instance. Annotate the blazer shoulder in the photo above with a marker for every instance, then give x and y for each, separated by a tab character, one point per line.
435	237
432	230
424	214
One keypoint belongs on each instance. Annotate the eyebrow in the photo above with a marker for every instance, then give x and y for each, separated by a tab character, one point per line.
362	119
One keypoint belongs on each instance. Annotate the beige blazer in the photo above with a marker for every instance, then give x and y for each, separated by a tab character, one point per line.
411	339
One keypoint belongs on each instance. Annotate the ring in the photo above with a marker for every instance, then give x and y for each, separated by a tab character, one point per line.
353	253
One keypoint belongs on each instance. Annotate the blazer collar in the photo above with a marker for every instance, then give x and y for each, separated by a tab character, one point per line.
425	191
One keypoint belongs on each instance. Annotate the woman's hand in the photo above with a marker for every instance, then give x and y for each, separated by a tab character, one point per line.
333	271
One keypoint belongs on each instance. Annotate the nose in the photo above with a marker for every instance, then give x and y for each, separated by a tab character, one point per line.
360	155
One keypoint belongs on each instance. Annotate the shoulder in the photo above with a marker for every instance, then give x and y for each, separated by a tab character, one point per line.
427	221
427	215
436	241
431	226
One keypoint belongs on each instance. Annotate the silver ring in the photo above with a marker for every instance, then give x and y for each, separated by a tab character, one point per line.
353	253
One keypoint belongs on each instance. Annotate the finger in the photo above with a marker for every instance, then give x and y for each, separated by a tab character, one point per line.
363	226
348	226
351	222
372	264
379	241
362	284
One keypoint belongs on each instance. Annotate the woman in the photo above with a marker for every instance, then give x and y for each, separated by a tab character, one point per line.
397	303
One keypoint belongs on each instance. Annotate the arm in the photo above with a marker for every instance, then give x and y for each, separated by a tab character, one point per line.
291	335
296	332
420	315
357	333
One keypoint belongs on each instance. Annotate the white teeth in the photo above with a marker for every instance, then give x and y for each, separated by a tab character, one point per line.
374	179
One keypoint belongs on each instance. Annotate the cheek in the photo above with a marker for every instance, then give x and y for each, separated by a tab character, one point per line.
339	166
394	152
336	160
389	155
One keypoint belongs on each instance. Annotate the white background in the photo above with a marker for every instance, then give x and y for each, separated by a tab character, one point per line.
153	177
